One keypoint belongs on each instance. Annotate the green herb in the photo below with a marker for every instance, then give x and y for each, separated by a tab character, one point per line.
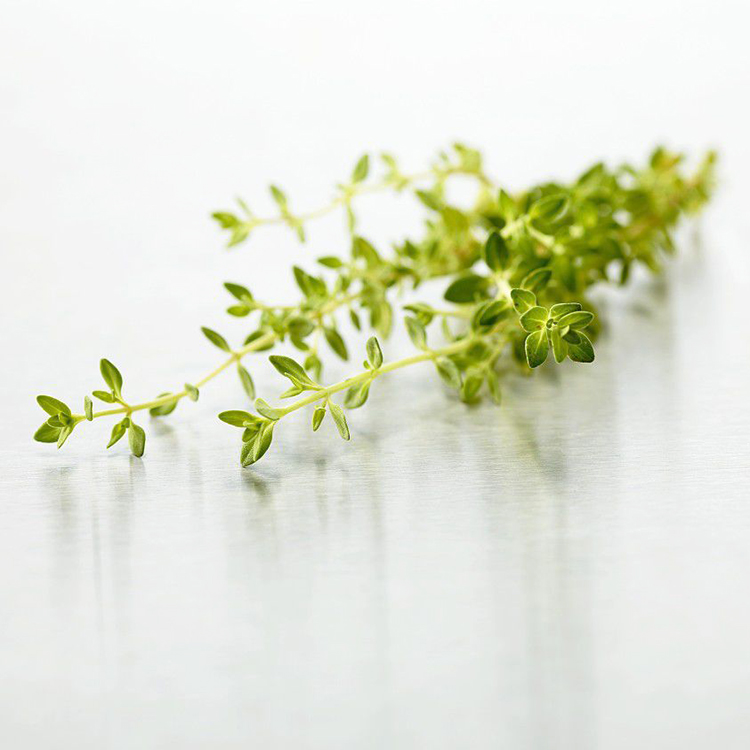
517	270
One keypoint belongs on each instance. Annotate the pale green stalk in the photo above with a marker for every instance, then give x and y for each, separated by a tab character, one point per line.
328	391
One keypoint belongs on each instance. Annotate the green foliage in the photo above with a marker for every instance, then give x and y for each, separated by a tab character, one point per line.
374	353
495	252
467	288
118	431
516	271
136	439
319	413
333	337
339	419
247	382
52	406
357	395
162	410
216	339
361	169
267	411
448	371
416	332
112	378
559	328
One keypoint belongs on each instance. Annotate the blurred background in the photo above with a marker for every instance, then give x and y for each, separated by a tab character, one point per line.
568	572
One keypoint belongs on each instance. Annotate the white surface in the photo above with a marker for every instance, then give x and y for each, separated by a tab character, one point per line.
568	572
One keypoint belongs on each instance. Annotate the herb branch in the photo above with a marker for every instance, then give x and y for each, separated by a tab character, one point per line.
518	267
461	161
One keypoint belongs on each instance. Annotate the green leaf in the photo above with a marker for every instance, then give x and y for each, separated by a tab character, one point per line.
534	319
563	308
64	435
303	280
238	418
137	439
449	372
582	351
381	318
374	353
242	293
239	311
576	320
300	327
163	409
559	347
330	261
333	337
537	280
216	339
523	300
536	347
52	405
549	209
355	319
88	408
492	312
471	385
416	332
47	434
431	199
103	396
365	250
112	377
278	195
225	219
493	383
361	169
192	392
456	222
263	441
267	411
318	414
356	396
507	206
239	234
467	288
337	413
243	205
118	431
255	448
313	365
287	367
254	336
250	432
424	313
247	381
495	252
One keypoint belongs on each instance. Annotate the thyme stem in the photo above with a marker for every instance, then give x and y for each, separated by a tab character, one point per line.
425	356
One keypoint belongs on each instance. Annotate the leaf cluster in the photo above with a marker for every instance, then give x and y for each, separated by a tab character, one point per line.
517	269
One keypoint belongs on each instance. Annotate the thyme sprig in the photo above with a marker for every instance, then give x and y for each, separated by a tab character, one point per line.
461	160
519	269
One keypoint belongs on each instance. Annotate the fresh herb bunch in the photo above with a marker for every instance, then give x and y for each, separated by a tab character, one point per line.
519	268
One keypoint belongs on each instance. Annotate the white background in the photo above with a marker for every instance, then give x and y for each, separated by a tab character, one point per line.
569	571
